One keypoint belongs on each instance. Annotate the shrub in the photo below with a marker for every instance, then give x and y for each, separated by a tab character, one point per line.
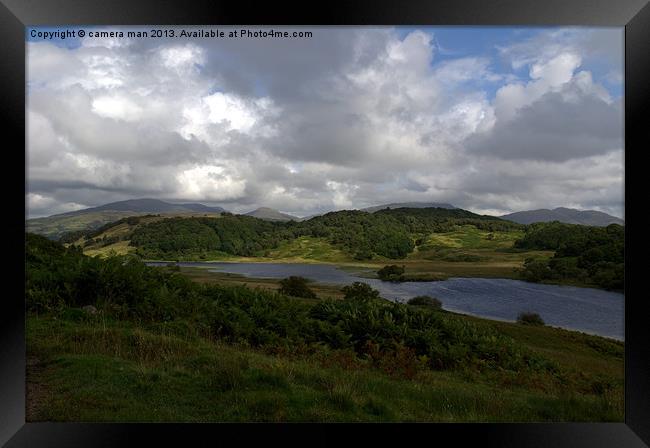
430	302
297	287
361	292
391	273
530	319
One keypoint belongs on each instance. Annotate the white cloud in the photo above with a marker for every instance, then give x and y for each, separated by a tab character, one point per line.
182	58
546	76
349	118
209	182
342	193
117	107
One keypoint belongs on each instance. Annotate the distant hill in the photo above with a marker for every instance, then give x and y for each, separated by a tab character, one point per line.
146	206
566	215
408	205
270	214
92	218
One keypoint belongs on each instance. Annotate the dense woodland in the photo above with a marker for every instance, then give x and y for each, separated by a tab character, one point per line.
232	234
588	254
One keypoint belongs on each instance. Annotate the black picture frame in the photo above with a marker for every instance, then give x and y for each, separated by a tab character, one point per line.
15	15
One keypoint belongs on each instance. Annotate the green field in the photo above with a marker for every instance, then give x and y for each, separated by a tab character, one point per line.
469	237
308	249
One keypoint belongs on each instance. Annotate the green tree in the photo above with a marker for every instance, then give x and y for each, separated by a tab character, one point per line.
535	270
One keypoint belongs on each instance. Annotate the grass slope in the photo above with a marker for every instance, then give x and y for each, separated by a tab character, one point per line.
308	249
95	370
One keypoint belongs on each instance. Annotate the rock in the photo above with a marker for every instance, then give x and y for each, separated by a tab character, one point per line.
90	309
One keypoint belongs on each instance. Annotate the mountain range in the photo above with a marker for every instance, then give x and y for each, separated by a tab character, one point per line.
566	215
92	218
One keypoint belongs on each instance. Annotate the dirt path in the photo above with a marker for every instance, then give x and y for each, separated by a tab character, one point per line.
36	391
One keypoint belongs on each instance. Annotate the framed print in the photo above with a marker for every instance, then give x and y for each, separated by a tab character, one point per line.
312	220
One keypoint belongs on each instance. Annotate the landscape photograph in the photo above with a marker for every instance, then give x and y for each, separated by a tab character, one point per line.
324	224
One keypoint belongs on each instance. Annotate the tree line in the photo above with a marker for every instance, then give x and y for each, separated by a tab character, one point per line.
584	253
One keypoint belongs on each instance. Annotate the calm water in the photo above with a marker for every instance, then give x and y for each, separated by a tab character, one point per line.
590	310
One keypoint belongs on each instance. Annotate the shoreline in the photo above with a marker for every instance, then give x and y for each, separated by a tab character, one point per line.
273	280
350	267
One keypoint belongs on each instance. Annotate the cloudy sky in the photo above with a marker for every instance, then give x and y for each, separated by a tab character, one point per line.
493	120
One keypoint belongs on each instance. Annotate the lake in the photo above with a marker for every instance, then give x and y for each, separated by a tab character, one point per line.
589	310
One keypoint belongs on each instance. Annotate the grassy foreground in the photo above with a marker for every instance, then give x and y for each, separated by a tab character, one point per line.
95	370
90	368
